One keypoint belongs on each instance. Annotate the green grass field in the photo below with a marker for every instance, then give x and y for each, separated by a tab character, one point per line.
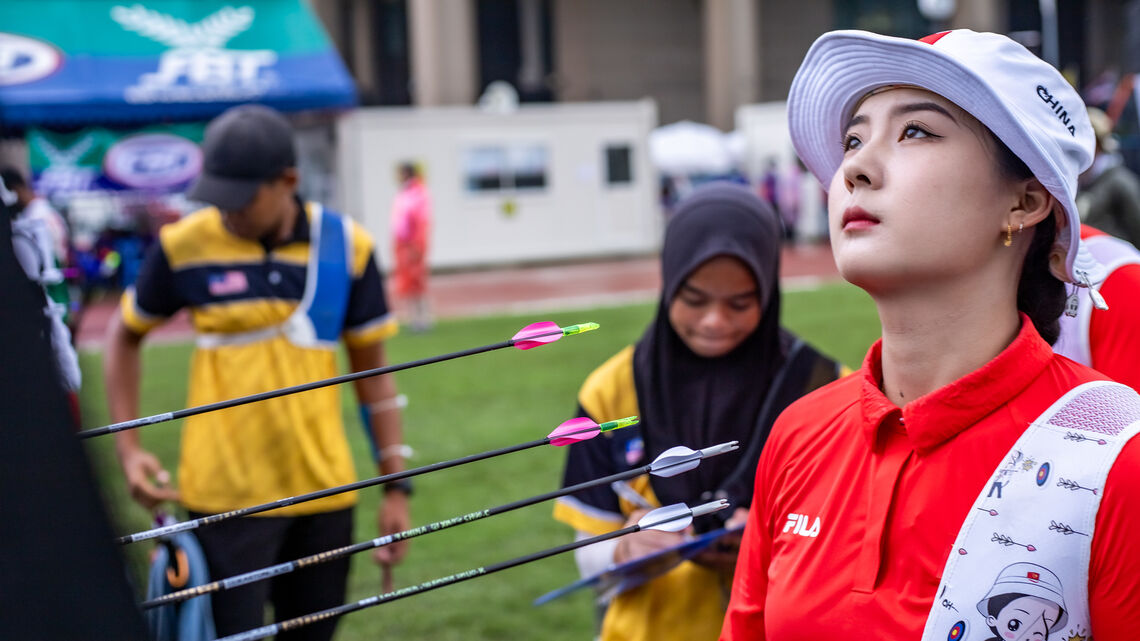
458	408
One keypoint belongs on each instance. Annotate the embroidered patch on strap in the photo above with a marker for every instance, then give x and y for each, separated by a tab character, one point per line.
1030	531
1103	410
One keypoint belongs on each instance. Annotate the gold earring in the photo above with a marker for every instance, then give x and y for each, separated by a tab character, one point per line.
1008	240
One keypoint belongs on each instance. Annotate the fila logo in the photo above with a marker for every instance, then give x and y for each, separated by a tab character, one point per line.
1058	109
798	524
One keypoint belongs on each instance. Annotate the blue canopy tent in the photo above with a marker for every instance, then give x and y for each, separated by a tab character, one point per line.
77	62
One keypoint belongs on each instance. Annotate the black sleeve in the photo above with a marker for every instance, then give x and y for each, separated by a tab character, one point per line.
155	290
366	301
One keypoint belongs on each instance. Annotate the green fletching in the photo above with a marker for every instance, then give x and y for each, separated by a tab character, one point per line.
618	424
580	328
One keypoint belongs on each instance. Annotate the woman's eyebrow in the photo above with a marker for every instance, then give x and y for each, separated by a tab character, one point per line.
689	288
700	292
900	110
922	106
855	120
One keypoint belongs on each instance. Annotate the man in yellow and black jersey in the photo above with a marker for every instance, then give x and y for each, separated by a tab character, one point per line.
272	284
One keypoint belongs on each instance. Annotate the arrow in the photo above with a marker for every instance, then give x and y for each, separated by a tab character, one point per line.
1002	539
529	337
562	436
670	463
671	518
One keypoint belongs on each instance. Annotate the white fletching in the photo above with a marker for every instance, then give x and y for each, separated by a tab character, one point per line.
680	459
674	461
671	518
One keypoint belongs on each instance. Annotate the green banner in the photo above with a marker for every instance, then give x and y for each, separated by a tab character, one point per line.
158	158
106	27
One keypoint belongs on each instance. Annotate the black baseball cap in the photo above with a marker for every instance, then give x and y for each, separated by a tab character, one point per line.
244	147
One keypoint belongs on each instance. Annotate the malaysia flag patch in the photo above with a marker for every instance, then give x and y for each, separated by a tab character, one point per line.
228	283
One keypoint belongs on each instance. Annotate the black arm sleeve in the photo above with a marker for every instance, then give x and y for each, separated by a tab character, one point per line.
155	290
366	301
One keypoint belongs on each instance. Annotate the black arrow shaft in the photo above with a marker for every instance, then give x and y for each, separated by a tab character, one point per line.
314	559
298	622
296	389
340	489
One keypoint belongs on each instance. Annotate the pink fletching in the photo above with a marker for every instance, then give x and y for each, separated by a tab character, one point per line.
524	338
561	434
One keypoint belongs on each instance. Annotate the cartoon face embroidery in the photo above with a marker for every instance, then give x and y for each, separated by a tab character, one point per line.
1025	602
1024	617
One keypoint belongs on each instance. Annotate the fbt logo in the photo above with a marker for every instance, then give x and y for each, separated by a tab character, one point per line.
24	59
798	524
198	67
216	68
153	161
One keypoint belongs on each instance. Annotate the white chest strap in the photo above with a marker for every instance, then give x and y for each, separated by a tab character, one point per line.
298	328
1020	563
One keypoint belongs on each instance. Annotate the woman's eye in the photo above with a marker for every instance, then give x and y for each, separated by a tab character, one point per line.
851	142
692	301
742	306
914	131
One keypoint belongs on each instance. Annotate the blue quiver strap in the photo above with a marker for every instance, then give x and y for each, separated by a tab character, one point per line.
329	303
190	620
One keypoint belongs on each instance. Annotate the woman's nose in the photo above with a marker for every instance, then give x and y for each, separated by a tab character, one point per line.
715	317
862	167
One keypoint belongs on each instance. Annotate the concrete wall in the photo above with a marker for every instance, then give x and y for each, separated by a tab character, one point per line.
697	59
731	58
359	50
1106	37
980	15
787	28
630	49
443	52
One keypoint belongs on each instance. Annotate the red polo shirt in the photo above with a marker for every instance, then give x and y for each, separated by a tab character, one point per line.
891	487
1114	337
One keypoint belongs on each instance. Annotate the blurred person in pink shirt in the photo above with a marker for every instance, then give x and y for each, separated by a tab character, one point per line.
411	228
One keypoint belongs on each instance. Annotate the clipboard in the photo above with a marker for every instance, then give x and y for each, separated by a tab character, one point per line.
626	576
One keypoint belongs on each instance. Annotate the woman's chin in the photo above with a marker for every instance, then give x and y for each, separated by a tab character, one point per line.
873	274
706	348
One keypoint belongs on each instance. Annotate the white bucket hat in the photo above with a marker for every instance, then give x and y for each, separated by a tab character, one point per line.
1028	579
1023	100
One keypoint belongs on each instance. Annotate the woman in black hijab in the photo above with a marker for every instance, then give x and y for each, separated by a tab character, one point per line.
714	366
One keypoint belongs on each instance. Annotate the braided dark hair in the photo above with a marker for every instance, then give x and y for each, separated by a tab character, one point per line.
1039	294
